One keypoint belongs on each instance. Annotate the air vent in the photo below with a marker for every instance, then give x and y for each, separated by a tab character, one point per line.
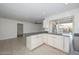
38	23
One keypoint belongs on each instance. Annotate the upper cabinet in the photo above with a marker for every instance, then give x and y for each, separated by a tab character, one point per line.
76	24
63	25
53	26
49	25
46	24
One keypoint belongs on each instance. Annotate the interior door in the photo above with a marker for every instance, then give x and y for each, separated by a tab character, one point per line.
19	30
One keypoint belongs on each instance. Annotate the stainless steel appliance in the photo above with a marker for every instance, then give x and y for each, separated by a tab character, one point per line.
76	42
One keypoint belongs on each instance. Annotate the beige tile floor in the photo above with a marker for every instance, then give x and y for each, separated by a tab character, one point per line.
17	47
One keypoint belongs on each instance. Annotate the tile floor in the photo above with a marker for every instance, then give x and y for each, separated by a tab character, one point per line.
17	47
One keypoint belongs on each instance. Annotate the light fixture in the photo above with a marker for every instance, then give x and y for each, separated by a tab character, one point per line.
66	3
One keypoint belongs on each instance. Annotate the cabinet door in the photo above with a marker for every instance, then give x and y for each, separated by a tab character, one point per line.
66	44
76	23
52	40
60	42
28	42
45	38
36	41
46	24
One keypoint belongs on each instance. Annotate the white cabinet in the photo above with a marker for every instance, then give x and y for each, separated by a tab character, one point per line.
57	41
46	24
66	44
34	41
76	24
28	42
52	40
45	38
60	42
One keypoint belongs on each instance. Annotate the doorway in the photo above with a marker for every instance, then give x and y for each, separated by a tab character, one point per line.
19	30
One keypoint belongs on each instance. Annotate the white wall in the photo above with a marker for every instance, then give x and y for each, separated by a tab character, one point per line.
29	27
74	12
8	28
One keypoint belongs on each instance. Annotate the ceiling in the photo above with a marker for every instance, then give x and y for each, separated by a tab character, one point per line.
33	12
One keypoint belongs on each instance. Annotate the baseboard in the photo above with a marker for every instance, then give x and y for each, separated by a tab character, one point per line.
9	38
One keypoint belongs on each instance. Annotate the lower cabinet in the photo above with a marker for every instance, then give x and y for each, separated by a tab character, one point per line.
52	40
67	44
57	41
34	41
45	38
60	42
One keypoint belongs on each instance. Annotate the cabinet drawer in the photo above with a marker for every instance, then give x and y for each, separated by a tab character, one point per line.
53	44
60	37
45	40
36	40
36	44
52	36
36	36
33	37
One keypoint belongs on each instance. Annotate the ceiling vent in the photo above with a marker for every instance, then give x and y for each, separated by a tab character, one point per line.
38	22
